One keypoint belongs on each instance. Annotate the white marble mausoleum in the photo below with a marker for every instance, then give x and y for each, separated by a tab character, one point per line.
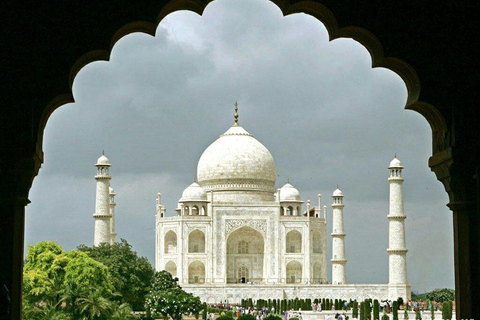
234	235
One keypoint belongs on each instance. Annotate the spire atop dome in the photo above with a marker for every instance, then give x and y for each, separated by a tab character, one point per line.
236	113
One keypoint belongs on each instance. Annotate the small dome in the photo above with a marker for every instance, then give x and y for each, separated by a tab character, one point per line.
337	193
103	161
194	193
395	163
289	193
110	190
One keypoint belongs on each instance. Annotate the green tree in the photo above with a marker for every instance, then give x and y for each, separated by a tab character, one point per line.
55	281
122	312
441	295
376	310
167	299
384	316
246	317
130	274
367	309
362	310
95	305
355	309
395	310
405	314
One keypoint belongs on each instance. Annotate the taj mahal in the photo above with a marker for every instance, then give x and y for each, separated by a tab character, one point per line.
236	236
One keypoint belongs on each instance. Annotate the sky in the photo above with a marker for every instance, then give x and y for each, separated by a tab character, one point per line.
325	115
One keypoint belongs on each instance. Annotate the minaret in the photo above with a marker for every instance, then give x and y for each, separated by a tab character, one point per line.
397	251
339	274
112	215
102	202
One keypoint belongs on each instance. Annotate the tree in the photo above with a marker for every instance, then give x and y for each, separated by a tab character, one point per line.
130	274
441	295
376	310
355	309
55	282
122	312
95	305
418	315
367	309
450	309
167	299
405	314
362	310
395	310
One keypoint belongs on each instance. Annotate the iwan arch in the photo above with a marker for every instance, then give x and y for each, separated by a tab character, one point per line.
433	37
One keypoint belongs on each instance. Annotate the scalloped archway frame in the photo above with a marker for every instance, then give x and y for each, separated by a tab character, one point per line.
442	144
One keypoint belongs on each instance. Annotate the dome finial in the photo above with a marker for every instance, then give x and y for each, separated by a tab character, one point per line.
103	152
288	179
194	179
395	154
236	113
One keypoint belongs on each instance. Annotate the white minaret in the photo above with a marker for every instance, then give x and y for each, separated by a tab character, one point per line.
397	251
339	274
102	202
112	215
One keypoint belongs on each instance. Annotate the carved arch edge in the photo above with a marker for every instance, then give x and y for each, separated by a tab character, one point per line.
315	9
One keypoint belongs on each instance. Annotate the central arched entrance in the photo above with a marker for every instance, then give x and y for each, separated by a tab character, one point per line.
245	256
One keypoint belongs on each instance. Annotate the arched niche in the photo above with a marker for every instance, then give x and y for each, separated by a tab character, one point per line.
170	242
171	267
196	242
293	242
196	272
294	272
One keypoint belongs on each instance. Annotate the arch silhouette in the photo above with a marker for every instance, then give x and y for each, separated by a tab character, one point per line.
456	169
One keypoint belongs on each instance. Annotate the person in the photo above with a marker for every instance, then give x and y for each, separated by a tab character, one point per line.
320	306
212	316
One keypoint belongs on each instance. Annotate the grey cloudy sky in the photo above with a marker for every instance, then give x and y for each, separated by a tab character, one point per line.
326	116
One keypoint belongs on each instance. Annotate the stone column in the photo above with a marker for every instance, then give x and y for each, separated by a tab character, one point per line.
397	250
338	240
102	202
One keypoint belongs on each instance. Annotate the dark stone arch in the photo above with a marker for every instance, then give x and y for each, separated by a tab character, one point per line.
435	39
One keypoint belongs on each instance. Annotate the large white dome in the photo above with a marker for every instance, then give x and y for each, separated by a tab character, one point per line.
237	161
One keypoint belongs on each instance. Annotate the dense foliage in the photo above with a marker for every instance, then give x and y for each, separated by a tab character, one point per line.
168	299
447	310
246	317
376	310
355	309
130	274
59	285
441	295
395	310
